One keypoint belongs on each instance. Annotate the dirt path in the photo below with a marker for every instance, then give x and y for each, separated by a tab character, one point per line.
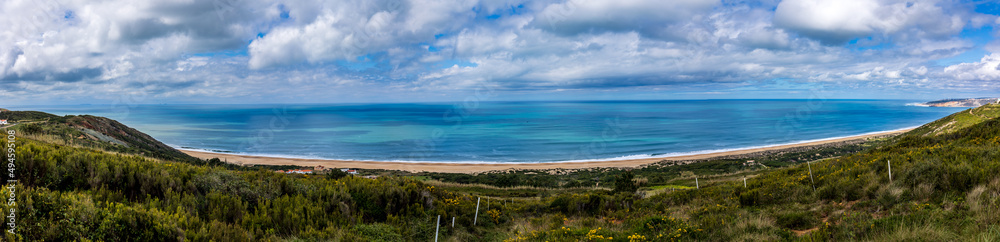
977	115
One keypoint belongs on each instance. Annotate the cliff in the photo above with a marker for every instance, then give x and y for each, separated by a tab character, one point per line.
967	102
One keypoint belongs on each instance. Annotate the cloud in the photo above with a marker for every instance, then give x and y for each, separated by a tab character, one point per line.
838	21
339	33
987	70
61	36
350	50
648	17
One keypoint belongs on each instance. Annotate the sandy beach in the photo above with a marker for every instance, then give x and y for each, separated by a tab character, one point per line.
478	168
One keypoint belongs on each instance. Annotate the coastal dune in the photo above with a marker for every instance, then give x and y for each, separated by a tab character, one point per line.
479	167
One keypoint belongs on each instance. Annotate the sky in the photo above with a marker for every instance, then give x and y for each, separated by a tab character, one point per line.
363	51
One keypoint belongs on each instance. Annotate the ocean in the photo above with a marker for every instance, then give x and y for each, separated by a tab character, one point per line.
497	132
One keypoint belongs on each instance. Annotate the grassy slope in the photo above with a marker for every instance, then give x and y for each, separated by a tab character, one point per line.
19	116
944	187
92	132
135	141
958	121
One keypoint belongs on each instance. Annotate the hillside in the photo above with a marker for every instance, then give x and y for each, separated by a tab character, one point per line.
944	187
26	116
93	132
958	121
136	141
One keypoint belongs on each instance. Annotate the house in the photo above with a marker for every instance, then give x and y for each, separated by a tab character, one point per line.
320	168
749	163
280	171
3	121
352	172
371	177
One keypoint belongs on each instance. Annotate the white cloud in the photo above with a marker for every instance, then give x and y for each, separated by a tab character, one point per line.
52	36
211	49
986	70
837	21
334	32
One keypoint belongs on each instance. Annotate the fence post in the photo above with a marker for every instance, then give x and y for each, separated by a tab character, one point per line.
811	181
696	186
744	182
889	163
476	218
452	222
437	228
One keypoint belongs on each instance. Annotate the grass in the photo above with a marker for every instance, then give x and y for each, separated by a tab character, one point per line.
669	187
958	121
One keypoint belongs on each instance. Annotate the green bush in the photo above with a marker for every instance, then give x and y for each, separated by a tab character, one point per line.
796	220
624	183
378	232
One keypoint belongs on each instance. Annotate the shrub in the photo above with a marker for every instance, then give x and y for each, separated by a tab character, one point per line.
797	220
378	232
335	174
624	183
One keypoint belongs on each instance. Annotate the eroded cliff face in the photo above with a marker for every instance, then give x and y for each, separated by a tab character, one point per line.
969	102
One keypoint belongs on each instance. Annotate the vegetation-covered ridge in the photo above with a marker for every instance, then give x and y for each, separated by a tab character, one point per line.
944	187
92	132
958	121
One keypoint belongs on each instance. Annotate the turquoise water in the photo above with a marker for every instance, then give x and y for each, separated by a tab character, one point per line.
508	131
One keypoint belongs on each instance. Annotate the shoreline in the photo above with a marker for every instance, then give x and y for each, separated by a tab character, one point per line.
445	167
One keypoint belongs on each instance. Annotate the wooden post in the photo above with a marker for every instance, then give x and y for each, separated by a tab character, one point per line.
744	182
696	186
813	182
889	165
437	227
476	218
452	222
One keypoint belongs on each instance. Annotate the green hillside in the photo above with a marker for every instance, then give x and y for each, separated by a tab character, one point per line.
22	116
91	132
944	187
959	120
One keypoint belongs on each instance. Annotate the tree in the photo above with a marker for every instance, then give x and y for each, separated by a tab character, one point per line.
32	128
335	174
624	183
